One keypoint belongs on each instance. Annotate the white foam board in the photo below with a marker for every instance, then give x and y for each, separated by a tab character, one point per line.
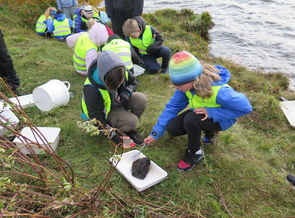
155	174
138	70
288	108
6	116
50	133
24	101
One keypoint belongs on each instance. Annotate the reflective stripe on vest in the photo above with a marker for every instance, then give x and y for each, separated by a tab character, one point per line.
83	45
145	42
122	48
82	18
74	23
96	16
61	28
40	26
106	100
198	102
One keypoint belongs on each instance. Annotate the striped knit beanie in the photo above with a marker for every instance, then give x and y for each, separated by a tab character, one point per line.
183	68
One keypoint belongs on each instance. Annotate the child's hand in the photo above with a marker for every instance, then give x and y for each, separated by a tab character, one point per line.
154	36
124	97
202	111
127	142
149	140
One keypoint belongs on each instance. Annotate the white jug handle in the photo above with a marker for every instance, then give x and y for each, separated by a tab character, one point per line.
67	83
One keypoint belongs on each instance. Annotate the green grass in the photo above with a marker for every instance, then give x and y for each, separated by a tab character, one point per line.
249	162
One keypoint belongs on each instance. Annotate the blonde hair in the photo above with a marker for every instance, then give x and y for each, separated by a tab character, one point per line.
130	26
202	84
47	12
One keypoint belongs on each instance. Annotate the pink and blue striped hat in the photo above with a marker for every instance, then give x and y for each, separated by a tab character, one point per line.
184	67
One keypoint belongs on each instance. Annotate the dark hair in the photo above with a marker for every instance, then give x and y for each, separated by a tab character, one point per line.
59	11
114	77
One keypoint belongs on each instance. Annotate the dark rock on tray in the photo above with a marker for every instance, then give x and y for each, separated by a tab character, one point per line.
140	167
291	179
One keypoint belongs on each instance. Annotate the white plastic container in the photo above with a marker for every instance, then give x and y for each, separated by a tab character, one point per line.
155	174
52	94
24	101
288	108
6	116
138	70
50	133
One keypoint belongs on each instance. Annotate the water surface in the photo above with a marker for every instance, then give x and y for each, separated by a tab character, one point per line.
259	34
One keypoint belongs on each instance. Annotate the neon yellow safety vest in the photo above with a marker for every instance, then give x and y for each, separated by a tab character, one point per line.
61	28
82	18
83	45
198	102
96	16
145	42
122	48
106	100
40	26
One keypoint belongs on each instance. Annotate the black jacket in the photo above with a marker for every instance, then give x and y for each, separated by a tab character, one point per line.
136	6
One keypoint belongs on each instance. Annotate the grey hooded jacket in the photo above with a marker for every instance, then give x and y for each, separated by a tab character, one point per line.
106	61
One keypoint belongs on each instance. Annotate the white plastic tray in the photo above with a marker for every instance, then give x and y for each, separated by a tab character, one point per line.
24	101
50	133
138	70
155	174
288	108
6	115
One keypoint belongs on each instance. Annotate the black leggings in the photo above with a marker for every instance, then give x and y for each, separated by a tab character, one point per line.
7	70
189	123
118	21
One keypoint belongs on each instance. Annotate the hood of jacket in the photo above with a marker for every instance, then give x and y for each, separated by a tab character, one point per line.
60	17
106	61
141	23
224	74
77	11
98	34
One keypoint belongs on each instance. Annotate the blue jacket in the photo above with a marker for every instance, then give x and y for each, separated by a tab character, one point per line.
59	17
80	26
48	22
65	3
233	105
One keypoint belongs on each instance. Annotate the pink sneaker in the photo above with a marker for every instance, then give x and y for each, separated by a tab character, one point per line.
189	160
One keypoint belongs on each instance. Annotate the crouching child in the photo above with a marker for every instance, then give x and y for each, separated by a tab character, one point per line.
109	96
148	42
213	105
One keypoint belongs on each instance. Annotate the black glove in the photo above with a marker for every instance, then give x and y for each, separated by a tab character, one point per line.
124	97
116	101
114	136
116	139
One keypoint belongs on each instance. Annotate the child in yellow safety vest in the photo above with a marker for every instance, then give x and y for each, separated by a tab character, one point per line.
148	43
109	96
44	21
86	46
61	27
214	105
84	14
